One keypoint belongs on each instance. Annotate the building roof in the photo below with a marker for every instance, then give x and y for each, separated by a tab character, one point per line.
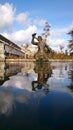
8	41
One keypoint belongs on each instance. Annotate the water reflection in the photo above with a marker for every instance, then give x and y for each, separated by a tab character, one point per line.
70	75
11	68
8	69
2	70
44	71
6	102
70	72
60	76
36	96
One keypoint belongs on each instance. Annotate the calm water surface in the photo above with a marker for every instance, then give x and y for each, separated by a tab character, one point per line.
36	96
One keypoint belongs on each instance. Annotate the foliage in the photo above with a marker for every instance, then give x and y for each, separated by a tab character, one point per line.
70	45
54	55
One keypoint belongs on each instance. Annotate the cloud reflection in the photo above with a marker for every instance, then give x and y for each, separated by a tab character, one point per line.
18	81
6	102
18	89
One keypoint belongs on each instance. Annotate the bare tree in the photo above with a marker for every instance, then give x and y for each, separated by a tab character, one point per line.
61	47
46	31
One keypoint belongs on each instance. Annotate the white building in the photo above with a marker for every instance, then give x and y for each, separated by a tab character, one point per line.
29	50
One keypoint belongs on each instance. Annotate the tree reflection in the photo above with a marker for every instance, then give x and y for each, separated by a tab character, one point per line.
71	87
44	72
71	77
70	74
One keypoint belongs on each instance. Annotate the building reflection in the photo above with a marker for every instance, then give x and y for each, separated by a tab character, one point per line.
43	71
3	78
12	68
2	70
27	68
8	69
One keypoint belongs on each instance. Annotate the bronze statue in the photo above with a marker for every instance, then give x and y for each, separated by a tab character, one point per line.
43	49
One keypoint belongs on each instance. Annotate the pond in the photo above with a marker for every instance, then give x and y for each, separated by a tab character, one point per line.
36	96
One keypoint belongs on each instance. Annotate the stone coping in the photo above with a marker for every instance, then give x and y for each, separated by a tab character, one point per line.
31	60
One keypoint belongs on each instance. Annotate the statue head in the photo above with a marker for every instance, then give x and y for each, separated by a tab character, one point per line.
39	38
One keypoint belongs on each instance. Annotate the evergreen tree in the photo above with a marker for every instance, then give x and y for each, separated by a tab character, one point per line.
70	45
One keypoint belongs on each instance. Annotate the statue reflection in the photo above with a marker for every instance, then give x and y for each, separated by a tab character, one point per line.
44	72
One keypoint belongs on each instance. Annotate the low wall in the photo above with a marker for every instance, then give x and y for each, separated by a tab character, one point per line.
19	60
61	60
32	60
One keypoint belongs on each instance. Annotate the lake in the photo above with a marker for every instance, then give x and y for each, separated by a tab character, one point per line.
36	96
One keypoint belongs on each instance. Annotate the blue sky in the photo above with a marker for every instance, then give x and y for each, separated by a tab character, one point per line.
28	16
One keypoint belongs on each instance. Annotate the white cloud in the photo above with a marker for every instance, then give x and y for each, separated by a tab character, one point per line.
6	16
55	43
58	37
40	22
58	32
23	19
22	36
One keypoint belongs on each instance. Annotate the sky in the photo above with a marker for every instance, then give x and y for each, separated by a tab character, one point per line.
19	19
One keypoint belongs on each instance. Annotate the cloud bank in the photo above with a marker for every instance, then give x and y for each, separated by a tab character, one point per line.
6	16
